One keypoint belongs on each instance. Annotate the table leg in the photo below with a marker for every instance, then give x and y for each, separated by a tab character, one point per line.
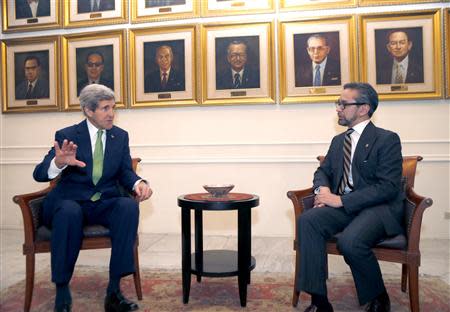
199	244
186	252
244	253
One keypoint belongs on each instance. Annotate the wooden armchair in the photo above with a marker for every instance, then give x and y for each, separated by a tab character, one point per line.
403	248
37	237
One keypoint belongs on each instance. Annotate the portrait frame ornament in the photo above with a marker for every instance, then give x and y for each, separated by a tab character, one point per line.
257	82
296	73
177	46
17	16
141	11
234	7
77	13
291	5
447	48
26	59
109	51
413	31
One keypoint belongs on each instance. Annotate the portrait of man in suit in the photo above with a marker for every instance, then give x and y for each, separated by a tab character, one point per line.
93	69
86	6
32	8
165	77
160	3
92	158
399	56
358	193
34	85
316	67
236	72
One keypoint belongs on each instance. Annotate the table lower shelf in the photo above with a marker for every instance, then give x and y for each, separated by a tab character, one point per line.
219	263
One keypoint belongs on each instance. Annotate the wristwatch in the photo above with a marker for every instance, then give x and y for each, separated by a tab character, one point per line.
317	190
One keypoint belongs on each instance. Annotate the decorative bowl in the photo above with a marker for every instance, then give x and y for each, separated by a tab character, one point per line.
218	190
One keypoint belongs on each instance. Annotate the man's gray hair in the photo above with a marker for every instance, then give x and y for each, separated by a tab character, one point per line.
94	93
317	36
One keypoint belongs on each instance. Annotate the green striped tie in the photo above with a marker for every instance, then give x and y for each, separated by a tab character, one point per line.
98	163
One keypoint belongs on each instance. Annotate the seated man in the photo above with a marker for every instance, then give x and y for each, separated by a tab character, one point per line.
92	157
358	192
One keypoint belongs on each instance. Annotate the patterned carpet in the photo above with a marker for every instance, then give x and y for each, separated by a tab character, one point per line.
162	292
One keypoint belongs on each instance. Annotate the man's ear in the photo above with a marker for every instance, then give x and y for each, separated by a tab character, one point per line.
88	112
364	109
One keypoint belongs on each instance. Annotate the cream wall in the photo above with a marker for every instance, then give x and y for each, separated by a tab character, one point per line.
262	149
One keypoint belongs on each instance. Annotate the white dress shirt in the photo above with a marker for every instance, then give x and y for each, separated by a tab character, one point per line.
402	67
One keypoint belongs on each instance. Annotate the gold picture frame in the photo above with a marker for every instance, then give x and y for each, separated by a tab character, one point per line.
81	13
446	49
330	50
163	66
30	75
384	49
290	5
159	10
391	2
250	55
93	58
234	7
18	15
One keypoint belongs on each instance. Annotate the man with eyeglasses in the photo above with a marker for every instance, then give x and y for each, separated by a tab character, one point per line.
358	193
322	70
402	66
93	68
34	86
237	75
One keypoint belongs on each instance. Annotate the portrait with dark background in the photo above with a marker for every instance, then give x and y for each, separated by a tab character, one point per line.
19	71
23	9
160	3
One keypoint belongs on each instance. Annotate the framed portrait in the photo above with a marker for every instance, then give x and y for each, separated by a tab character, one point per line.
315	64
155	10
288	5
402	61
163	66
447	48
237	69
30	75
391	2
83	13
233	7
22	15
93	58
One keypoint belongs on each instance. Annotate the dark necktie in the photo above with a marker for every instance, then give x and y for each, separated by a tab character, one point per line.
237	81
347	162
29	91
317	77
164	80
95	6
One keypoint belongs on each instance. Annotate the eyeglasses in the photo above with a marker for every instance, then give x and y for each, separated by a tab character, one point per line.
342	105
91	64
314	49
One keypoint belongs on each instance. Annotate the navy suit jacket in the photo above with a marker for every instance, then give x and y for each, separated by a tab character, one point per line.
40	91
76	183
414	73
331	74
250	79
175	82
23	9
84	6
83	83
376	172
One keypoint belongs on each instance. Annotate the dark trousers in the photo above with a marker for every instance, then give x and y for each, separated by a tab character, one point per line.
359	233
67	218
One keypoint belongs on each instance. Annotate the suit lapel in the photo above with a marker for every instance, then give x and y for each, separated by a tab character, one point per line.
111	145
363	148
84	150
340	159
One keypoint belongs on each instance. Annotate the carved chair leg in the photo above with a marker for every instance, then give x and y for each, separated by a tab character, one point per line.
404	276
137	274
296	294
414	288
29	284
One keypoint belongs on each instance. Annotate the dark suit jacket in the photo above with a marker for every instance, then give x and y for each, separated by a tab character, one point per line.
75	182
40	91
376	172
84	6
23	9
175	82
331	74
158	3
83	83
250	79
414	73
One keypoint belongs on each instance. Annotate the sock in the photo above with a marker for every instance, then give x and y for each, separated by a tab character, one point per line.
113	286
62	294
320	301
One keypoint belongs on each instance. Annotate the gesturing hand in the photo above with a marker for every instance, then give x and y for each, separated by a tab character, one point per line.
66	155
143	191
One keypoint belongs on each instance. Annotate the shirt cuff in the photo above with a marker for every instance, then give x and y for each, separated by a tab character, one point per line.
139	181
54	171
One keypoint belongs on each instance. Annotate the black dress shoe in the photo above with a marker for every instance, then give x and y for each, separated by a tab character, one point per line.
66	307
314	308
116	302
379	304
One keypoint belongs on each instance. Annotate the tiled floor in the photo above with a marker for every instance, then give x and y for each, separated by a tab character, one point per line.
163	251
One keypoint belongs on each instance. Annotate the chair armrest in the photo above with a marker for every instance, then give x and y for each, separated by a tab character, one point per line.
296	197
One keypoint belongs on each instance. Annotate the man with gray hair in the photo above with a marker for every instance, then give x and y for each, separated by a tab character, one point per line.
91	158
358	194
